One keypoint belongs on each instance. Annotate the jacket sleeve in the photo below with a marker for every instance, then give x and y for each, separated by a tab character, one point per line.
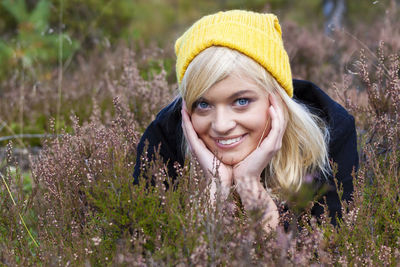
150	140
342	145
343	153
163	135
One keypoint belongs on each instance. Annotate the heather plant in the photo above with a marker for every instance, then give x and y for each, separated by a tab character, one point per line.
27	106
66	169
87	208
371	223
16	240
329	60
80	205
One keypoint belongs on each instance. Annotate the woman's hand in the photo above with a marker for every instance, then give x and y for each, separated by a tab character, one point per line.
246	174
256	161
208	161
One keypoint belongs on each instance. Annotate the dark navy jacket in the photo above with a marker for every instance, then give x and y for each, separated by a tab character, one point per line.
166	131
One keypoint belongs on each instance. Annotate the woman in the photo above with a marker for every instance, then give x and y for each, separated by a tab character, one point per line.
238	103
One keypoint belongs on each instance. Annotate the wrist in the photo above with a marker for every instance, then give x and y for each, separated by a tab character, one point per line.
221	185
251	191
255	197
249	184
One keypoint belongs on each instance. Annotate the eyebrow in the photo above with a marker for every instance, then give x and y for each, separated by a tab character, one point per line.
233	96
240	93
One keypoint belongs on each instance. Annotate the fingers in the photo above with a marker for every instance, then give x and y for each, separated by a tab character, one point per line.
277	116
204	156
196	145
278	125
281	113
187	128
263	154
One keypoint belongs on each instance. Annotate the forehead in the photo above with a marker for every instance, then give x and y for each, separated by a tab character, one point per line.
234	84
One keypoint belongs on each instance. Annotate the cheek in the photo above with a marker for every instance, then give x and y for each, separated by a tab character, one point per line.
265	126
256	121
259	126
199	124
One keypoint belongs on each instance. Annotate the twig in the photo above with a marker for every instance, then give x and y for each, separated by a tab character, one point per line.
367	49
60	65
22	136
20	216
12	132
2	125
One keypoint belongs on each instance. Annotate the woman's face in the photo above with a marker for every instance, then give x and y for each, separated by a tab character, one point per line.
231	117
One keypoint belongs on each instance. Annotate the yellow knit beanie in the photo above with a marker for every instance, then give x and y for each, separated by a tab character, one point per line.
256	35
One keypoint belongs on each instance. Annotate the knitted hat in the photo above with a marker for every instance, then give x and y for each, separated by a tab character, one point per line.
256	35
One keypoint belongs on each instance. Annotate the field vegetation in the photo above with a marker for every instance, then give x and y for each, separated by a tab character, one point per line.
77	90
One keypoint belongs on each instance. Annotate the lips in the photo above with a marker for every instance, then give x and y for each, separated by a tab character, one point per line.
229	142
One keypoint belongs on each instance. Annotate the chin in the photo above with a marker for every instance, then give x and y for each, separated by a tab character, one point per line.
231	161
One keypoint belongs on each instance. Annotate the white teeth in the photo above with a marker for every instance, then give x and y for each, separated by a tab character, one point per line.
229	141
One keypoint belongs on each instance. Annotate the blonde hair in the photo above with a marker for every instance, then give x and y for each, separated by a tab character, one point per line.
304	144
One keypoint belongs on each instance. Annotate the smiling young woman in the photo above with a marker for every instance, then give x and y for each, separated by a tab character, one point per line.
231	118
239	104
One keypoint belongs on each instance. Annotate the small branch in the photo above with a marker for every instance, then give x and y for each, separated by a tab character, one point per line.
2	125
22	136
20	216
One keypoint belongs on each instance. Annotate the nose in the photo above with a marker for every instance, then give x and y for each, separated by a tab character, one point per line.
223	122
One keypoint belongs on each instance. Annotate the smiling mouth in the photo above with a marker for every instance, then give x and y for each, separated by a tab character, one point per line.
229	142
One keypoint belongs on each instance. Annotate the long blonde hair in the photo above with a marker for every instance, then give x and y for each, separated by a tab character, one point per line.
304	144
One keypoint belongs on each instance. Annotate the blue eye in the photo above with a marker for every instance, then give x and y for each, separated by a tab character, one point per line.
242	102
202	105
